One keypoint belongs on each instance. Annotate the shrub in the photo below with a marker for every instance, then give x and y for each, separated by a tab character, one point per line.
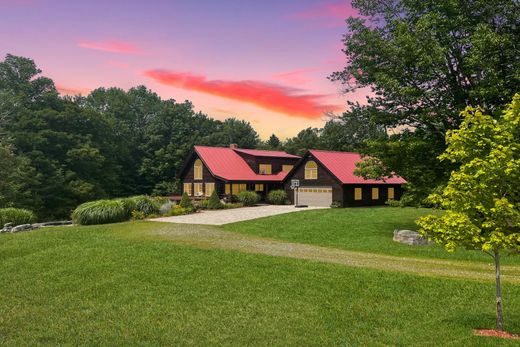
394	203
277	197
138	215
186	201
166	207
178	210
232	205
214	201
102	212
17	216
248	198
202	204
336	204
145	204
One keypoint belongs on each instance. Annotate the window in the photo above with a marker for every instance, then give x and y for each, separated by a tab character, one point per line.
197	169
265	169
311	170
228	189
358	193
187	188
237	188
210	187
197	189
259	187
287	168
375	193
390	193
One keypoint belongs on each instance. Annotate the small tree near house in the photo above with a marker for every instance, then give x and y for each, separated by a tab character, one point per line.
482	198
186	201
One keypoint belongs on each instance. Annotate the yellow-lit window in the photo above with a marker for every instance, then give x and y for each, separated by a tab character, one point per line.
187	188
228	188
210	187
375	193
390	193
265	169
259	187
197	189
287	168
197	169
358	193
311	170
237	188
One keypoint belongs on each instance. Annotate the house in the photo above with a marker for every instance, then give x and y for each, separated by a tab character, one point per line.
328	176
324	176
232	170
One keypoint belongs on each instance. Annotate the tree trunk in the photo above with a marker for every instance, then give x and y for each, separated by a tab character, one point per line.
499	322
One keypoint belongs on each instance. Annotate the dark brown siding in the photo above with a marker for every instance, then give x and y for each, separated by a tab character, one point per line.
366	200
276	163
207	177
324	180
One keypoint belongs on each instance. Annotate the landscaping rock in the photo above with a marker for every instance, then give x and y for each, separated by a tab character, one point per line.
410	237
53	224
22	227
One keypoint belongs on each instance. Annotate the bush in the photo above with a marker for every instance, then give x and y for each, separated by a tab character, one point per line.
248	198
138	215
277	197
202	204
102	212
145	204
17	216
177	210
336	204
394	203
232	205
214	202
186	201
166	207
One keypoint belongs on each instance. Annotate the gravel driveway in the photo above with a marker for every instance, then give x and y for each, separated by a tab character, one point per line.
221	217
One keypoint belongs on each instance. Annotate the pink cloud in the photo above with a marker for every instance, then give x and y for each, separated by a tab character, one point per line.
269	96
111	46
334	13
71	90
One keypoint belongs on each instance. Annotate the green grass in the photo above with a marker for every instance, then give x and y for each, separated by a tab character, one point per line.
358	229
119	285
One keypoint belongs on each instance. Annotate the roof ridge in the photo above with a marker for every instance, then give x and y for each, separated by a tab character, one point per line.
331	151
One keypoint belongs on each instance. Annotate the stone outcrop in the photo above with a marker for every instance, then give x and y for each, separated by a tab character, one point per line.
410	237
9	228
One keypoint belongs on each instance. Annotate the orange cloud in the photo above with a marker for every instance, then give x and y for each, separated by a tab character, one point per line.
119	47
266	95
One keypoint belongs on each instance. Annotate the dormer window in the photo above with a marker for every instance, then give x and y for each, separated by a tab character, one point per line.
265	169
311	170
197	169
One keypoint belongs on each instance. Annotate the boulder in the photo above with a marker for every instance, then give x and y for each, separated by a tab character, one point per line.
22	227
410	237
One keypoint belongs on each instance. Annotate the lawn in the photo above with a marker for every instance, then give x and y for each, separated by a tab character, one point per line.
360	229
121	285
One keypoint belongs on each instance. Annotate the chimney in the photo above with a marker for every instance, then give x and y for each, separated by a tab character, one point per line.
233	146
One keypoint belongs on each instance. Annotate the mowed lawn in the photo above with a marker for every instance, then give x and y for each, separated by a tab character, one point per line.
120	285
368	229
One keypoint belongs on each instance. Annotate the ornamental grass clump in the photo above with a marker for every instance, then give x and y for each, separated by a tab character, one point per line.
102	212
248	198
16	216
277	197
145	204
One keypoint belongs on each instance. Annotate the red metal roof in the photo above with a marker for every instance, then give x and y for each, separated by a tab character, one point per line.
343	164
262	153
227	164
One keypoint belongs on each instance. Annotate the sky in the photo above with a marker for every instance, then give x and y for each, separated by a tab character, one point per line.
265	61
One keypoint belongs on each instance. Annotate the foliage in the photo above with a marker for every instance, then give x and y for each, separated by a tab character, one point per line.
424	62
185	201
102	212
17	216
482	198
248	198
214	202
146	204
138	215
231	205
277	197
394	203
336	204
306	139
178	210
17	176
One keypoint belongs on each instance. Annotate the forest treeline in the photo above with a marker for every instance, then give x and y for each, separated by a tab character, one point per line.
57	152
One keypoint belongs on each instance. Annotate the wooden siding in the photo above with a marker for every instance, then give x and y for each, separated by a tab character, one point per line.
325	179
349	201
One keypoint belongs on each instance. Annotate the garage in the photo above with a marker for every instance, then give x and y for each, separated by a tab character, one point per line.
314	196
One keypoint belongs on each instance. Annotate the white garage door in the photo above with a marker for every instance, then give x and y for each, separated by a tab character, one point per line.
315	196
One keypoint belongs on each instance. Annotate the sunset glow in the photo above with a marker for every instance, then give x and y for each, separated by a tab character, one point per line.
265	62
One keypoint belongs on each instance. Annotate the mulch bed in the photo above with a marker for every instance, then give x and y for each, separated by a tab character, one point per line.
497	333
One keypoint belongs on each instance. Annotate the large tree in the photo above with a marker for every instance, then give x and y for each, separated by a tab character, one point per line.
482	198
425	61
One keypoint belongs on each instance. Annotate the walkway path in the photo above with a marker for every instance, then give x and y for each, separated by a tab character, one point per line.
212	237
220	217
